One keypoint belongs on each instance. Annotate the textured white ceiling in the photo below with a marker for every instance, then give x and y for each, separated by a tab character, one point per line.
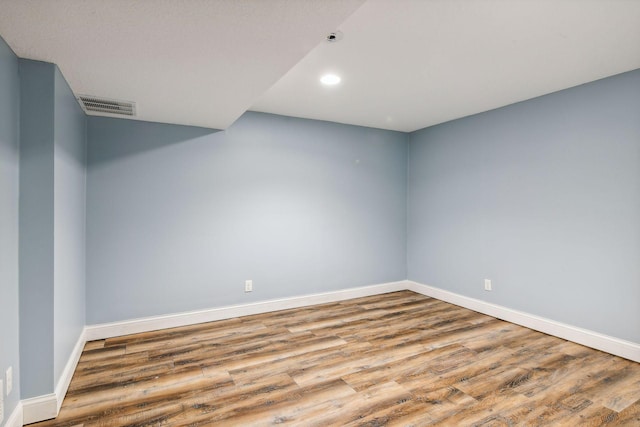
405	64
408	64
194	62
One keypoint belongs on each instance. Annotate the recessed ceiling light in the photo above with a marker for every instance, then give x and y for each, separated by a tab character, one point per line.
330	79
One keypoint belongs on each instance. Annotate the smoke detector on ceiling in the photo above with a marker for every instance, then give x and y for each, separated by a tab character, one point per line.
95	104
335	37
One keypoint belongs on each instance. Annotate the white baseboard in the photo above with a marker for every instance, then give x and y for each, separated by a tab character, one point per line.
45	407
39	408
616	346
146	324
15	419
69	369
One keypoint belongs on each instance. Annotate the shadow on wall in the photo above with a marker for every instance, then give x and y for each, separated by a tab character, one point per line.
129	138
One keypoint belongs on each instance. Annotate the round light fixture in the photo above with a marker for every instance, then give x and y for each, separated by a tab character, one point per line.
330	79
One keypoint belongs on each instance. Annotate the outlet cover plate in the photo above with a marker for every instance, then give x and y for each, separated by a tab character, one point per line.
9	378
1	402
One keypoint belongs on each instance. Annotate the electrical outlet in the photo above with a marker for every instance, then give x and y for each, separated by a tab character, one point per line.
487	284
9	380
248	285
1	403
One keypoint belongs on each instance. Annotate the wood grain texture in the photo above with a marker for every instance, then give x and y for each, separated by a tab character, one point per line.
397	359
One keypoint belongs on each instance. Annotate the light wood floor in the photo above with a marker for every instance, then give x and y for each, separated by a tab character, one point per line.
393	359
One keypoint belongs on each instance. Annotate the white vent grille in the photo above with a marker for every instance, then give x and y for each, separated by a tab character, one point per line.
108	106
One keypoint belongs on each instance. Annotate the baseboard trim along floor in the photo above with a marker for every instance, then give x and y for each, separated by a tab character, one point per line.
615	346
15	419
147	324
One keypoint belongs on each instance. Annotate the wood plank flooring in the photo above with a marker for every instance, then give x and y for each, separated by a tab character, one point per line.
398	359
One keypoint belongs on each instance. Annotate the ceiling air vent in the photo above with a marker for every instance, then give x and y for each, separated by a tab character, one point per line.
108	106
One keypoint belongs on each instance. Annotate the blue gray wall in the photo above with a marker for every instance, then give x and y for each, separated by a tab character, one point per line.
69	222
36	227
9	196
52	224
542	197
178	217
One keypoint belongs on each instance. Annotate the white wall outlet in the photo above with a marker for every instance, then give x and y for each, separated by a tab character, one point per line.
1	403
487	284
9	380
248	285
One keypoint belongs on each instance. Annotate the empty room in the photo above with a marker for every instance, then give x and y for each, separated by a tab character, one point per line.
319	213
